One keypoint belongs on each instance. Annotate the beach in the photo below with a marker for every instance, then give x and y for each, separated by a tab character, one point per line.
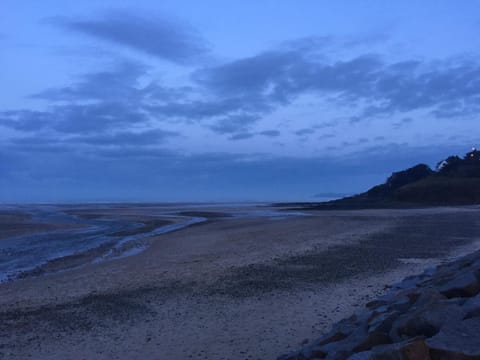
229	287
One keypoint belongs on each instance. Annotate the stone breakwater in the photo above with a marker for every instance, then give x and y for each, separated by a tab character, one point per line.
435	315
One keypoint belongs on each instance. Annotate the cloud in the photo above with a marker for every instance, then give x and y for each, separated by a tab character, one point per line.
326	136
276	78
72	118
241	136
107	100
270	133
213	107
121	82
117	144
405	121
150	175
156	36
25	120
304	132
234	124
107	109
127	138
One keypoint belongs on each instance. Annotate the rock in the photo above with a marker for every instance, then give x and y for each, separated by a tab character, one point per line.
457	340
314	352
292	356
357	342
412	349
472	307
428	296
435	316
464	285
402	304
337	336
383	322
425	321
408	283
376	303
364	355
371	340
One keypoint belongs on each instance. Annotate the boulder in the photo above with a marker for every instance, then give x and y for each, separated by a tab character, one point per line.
425	321
457	340
413	349
472	307
464	285
383	322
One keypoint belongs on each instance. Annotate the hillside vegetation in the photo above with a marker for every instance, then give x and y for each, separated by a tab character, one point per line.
455	181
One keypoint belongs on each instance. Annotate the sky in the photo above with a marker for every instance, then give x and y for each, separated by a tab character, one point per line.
230	101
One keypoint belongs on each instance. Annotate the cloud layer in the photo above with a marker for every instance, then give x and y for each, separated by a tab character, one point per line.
155	36
232	123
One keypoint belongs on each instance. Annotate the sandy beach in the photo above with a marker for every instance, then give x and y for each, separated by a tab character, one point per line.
227	288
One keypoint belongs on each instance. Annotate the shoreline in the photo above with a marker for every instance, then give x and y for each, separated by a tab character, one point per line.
121	243
229	289
433	315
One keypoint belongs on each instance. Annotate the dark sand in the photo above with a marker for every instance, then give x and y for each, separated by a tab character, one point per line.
18	223
248	288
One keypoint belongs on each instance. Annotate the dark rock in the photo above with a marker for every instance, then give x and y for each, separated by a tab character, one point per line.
371	340
425	321
314	352
426	297
357	342
383	322
412	349
472	307
465	285
337	336
408	283
457	340
437	319
292	356
401	304
376	303
364	355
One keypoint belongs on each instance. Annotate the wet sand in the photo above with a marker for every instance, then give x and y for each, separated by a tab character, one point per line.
18	223
231	288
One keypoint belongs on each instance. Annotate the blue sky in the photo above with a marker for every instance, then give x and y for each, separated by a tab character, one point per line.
228	101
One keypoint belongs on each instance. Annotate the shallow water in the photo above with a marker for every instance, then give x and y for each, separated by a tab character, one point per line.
27	252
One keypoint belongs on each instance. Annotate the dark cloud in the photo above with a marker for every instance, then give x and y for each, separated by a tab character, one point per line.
326	136
234	124
251	75
402	123
117	143
155	36
98	102
304	132
121	82
72	118
444	88
201	109
241	136
235	95
25	120
150	174
124	138
270	133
